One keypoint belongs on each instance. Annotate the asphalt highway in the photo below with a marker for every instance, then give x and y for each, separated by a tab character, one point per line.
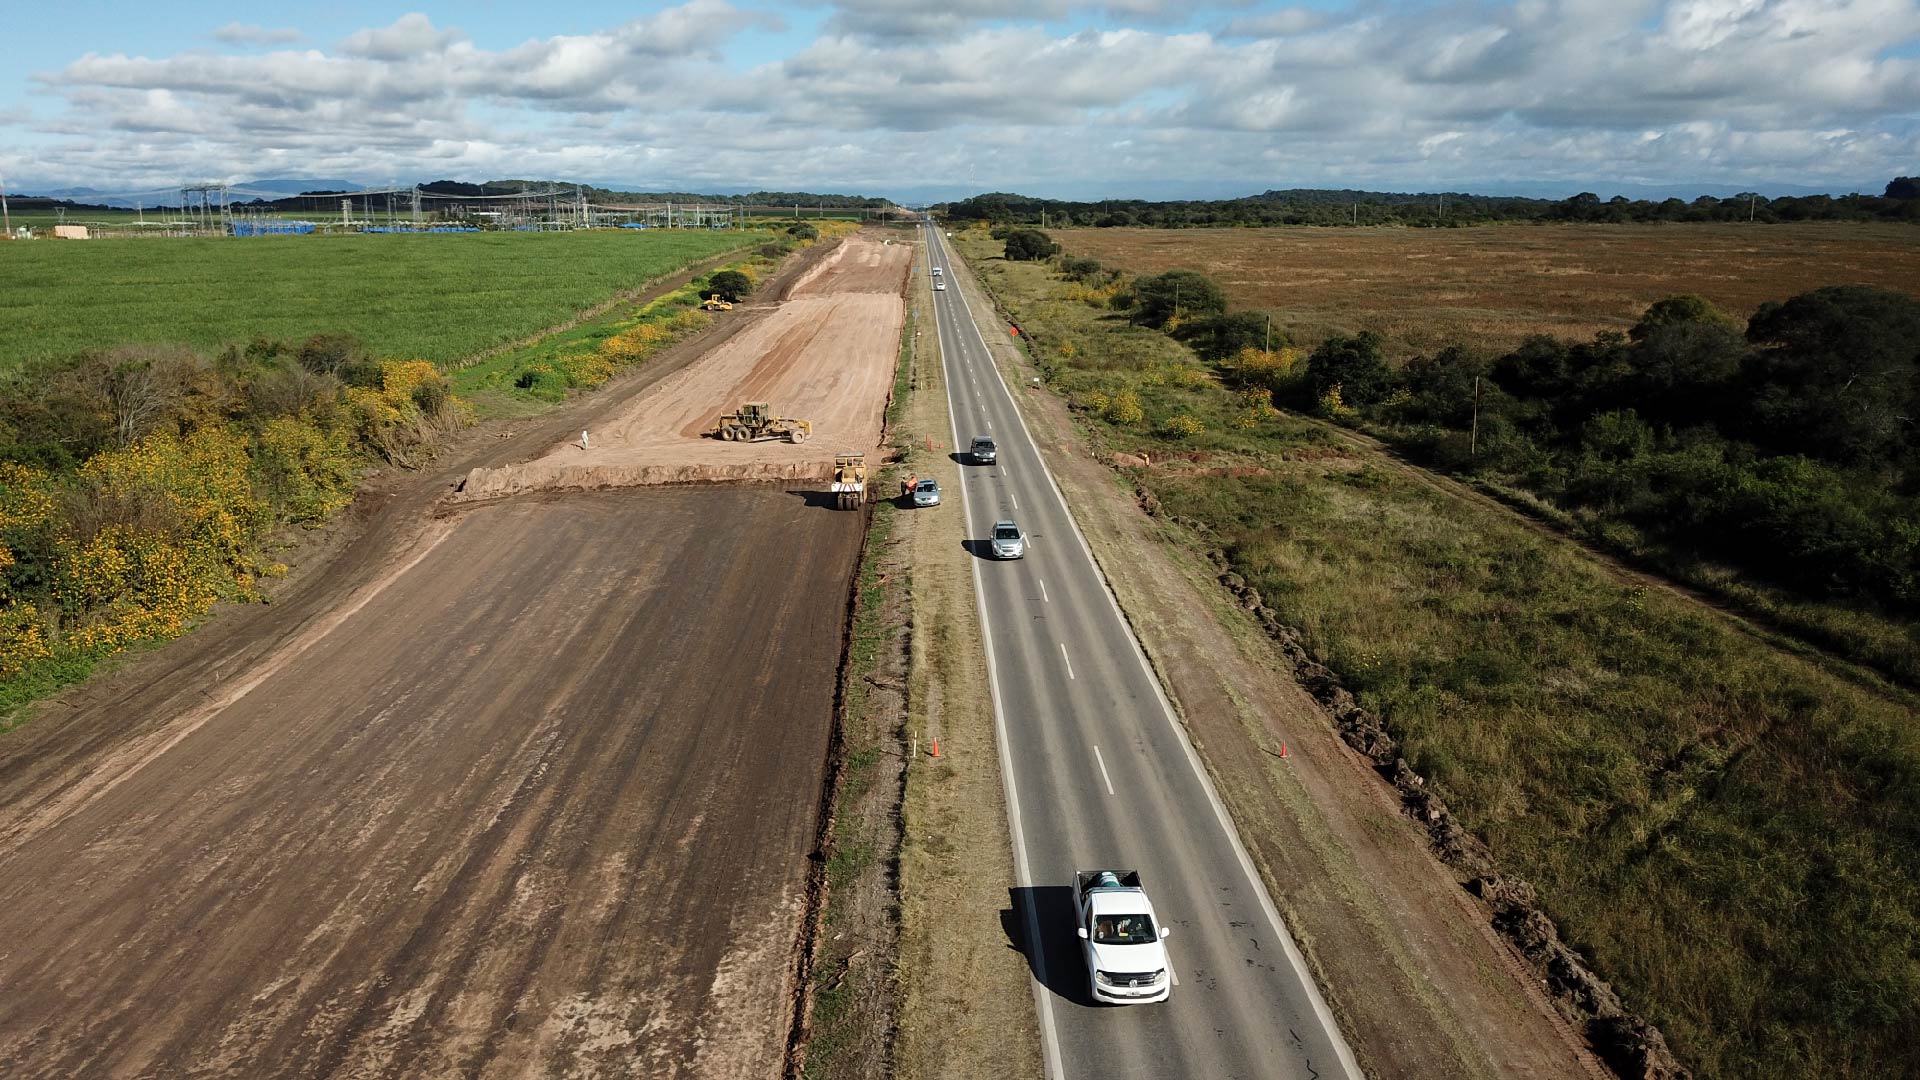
1100	775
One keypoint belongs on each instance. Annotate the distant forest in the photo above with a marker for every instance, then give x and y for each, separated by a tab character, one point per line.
1315	206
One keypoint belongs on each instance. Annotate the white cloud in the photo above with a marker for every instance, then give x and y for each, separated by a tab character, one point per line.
238	33
929	92
409	36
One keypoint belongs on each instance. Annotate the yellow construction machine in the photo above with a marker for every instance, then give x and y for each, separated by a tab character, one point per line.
714	303
849	481
755	422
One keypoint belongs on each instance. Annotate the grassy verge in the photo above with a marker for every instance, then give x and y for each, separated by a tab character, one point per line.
1722	829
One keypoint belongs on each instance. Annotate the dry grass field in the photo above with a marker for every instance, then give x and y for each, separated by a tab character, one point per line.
1490	286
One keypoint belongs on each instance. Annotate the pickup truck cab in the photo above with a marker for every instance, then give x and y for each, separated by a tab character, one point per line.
1121	940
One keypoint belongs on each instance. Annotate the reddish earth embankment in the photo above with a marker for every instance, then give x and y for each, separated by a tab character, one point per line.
824	353
534	799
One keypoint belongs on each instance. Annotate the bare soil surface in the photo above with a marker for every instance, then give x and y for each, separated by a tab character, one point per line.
525	790
1489	286
1422	985
824	353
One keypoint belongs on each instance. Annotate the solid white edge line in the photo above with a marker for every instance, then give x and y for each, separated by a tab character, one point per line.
1064	658
1298	962
1023	875
1102	762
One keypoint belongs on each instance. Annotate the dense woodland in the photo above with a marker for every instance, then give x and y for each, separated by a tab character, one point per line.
1313	206
1787	447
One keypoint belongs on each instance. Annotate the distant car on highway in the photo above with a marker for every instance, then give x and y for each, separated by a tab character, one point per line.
940	286
983	451
1126	961
926	493
1008	541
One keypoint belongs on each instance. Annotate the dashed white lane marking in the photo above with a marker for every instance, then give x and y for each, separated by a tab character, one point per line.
1043	593
1015	498
1102	762
1063	656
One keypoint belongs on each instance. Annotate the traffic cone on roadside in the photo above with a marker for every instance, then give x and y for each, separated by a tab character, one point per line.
1283	749
936	748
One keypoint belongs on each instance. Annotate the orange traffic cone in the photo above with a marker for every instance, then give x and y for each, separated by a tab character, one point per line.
936	748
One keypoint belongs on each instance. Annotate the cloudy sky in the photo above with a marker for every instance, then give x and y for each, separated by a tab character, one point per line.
918	97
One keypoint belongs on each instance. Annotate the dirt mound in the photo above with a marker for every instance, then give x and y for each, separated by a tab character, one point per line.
825	355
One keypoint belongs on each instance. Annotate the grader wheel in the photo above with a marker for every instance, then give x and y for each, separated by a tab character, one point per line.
797	435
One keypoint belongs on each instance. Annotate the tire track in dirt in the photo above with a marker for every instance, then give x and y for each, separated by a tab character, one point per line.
541	806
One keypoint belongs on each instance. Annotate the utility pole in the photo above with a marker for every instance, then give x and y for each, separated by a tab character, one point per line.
1269	348
6	215
1473	440
1751	196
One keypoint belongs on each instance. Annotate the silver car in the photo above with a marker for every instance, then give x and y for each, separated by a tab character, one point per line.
926	493
1008	541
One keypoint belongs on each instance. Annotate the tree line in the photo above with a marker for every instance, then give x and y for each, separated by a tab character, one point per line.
1787	446
1307	206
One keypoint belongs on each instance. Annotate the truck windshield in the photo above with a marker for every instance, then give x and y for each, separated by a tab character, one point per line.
1123	930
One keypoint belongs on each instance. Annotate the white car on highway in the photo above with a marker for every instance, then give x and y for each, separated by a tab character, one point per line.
1008	541
1124	947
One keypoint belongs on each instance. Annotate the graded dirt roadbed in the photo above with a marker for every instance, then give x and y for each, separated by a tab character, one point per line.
539	804
824	353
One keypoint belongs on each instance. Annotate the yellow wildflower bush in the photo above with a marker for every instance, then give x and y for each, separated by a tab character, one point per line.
1095	401
585	369
26	496
1182	427
689	321
304	469
1125	408
23	638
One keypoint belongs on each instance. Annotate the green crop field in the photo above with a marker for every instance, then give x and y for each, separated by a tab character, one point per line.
437	297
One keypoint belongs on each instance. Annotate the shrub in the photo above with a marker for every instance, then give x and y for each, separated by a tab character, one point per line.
1026	245
1177	292
1125	408
542	381
1353	364
1181	427
730	284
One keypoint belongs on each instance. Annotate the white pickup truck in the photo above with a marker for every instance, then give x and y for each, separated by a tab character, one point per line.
1126	959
